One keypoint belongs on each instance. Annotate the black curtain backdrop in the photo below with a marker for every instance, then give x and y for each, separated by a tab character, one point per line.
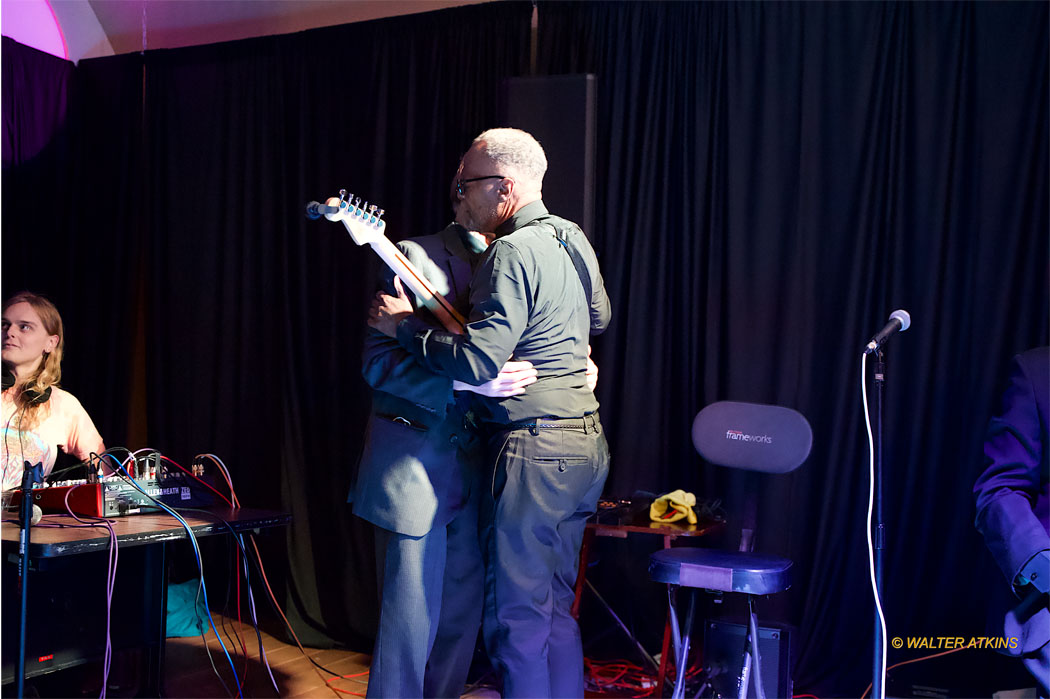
66	200
773	180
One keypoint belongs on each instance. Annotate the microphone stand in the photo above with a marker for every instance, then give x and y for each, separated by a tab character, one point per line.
30	476
880	531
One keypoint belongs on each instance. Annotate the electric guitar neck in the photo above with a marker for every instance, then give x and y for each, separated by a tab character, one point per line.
366	226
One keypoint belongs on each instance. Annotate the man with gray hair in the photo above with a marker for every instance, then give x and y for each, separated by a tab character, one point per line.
536	296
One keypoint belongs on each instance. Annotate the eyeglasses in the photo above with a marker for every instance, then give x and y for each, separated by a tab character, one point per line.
461	190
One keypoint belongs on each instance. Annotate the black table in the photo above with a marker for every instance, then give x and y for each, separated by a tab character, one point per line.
67	603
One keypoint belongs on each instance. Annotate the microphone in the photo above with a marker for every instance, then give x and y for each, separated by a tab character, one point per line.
899	322
315	210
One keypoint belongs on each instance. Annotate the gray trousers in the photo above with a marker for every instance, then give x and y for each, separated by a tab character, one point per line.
430	611
545	484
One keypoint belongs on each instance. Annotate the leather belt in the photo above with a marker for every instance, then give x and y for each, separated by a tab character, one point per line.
585	423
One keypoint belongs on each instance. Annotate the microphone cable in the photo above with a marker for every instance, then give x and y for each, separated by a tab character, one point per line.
871	507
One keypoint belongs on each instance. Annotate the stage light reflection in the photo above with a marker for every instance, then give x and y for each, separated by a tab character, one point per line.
33	23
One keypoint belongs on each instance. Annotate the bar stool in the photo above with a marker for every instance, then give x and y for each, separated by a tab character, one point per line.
754	437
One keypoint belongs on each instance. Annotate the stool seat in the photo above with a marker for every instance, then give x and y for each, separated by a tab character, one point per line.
726	571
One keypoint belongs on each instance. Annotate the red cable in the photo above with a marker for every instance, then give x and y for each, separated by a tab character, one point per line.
913	660
269	590
206	485
345	677
621	676
225	477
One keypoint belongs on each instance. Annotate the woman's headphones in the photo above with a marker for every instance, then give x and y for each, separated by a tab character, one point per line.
36	397
33	397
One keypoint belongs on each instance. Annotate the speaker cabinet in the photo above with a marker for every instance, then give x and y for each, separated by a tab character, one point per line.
724	657
559	110
66	615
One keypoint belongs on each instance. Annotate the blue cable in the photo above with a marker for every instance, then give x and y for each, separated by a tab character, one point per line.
255	620
200	567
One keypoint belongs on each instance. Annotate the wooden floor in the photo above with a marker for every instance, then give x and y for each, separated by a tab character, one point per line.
189	675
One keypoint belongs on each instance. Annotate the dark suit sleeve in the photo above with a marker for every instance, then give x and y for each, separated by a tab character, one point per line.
389	368
1012	481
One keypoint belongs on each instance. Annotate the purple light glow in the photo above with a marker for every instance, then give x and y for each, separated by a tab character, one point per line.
33	23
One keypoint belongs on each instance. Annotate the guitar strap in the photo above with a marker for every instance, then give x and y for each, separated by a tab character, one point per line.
581	268
577	261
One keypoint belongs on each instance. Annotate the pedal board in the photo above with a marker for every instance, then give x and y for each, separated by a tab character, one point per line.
114	496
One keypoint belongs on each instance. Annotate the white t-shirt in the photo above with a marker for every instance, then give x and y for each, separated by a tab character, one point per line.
62	424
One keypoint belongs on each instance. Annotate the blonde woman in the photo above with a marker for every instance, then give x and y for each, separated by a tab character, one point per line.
38	417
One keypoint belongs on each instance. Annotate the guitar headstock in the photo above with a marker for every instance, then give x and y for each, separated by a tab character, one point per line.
364	222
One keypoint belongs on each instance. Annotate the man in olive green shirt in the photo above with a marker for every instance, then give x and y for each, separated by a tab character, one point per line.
537	296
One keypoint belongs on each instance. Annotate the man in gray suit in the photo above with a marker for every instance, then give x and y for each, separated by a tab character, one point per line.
416	483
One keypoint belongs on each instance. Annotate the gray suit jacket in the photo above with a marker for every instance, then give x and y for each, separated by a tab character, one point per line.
411	477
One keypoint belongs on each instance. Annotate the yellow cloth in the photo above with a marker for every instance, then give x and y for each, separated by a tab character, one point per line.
673	506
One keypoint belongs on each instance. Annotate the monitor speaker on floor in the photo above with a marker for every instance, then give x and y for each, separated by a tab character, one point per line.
724	656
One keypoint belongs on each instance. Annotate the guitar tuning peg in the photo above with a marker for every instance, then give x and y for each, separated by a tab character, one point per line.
342	194
357	202
380	214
